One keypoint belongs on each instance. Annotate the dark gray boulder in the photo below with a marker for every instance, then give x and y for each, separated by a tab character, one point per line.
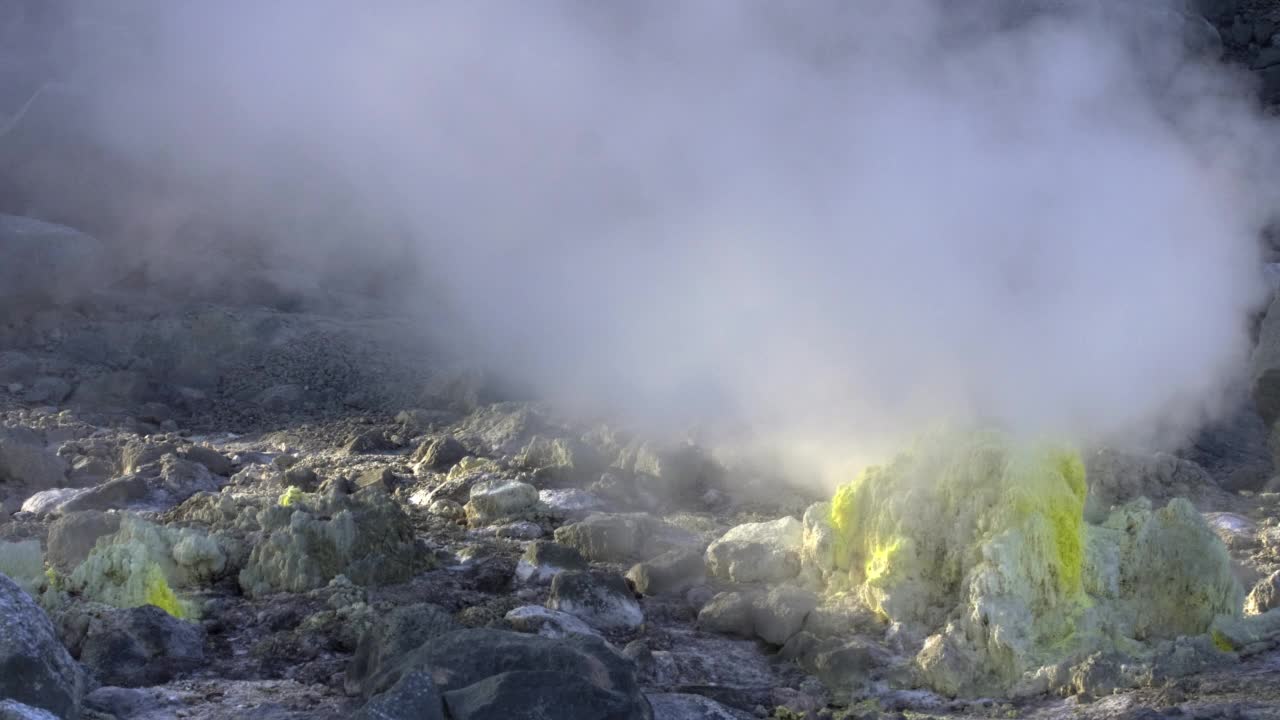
687	706
537	695
582	665
415	697
35	669
400	632
141	646
440	453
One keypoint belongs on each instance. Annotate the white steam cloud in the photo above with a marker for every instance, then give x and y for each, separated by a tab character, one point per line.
823	221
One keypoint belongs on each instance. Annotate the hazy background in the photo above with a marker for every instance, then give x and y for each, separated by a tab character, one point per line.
814	225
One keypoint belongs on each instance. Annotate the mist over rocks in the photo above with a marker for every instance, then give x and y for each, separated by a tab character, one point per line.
455	360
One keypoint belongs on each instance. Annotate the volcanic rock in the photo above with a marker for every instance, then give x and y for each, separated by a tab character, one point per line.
35	668
600	599
758	552
543	560
400	632
141	646
579	665
671	572
602	537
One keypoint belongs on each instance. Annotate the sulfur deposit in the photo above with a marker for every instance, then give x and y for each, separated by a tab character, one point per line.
981	546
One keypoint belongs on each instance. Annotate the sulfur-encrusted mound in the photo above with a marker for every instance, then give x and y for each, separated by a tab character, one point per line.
315	538
982	545
142	564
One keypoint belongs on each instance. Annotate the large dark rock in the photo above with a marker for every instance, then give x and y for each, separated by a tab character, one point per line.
35	669
440	453
415	697
400	632
141	646
538	695
579	665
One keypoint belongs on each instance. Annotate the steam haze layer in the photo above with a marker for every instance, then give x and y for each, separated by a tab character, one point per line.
822	225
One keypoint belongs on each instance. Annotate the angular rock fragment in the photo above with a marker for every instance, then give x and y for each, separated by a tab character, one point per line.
674	571
481	672
602	600
546	622
401	631
758	552
141	646
605	537
543	560
499	499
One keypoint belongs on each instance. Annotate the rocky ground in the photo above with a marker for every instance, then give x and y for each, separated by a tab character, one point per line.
222	512
231	503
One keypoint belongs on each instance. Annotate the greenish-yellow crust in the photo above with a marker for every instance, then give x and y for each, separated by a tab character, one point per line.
981	542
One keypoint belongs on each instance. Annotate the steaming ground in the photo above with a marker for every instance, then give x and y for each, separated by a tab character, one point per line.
457	360
844	220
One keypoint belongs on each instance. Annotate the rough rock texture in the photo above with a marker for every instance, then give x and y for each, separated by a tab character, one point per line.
546	622
499	499
671	572
35	668
142	564
415	697
774	616
400	632
686	706
1264	596
605	537
758	552
365	537
1234	450
73	535
561	461
540	694
441	453
578	665
141	646
985	544
543	560
1116	478
602	600
27	466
